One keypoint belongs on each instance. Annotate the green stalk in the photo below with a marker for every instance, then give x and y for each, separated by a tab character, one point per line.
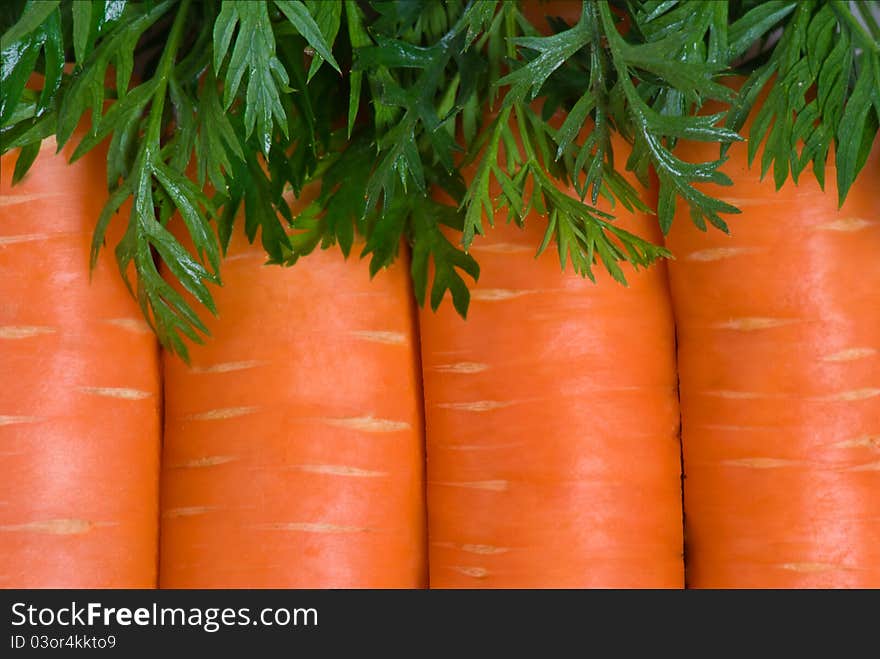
844	15
163	71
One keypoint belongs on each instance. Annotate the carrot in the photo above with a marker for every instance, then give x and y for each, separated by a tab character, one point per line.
552	424
779	352
293	442
79	408
552	419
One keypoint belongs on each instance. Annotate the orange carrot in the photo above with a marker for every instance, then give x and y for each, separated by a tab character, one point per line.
79	406
293	443
537	12
552	424
779	353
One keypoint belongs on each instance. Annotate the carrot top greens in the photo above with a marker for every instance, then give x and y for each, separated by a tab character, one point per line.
210	106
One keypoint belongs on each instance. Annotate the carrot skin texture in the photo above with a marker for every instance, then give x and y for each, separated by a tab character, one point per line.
294	449
80	406
552	425
552	419
779	356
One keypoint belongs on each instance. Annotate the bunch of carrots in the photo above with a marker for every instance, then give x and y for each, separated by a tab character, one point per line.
715	423
294	442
